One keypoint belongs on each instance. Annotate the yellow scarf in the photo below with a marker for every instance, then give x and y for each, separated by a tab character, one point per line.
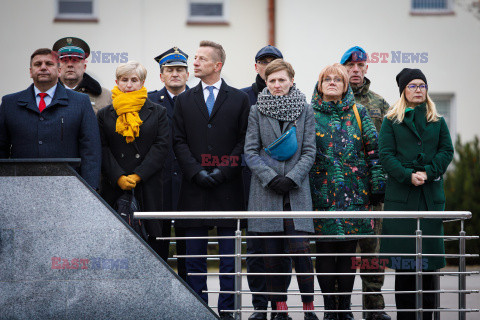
127	105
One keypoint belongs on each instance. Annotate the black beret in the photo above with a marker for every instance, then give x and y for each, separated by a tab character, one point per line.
407	75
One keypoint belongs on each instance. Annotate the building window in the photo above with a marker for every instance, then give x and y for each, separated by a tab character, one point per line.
207	12
431	7
76	10
445	106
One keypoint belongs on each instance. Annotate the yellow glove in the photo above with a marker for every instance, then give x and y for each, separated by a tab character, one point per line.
126	183
135	177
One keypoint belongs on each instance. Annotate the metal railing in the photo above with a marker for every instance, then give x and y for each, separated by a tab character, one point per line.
418	215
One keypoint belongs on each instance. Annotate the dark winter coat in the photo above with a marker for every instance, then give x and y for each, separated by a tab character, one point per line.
67	128
203	142
406	147
145	157
171	174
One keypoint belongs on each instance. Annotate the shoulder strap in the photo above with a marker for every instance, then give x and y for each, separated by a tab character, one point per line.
355	110
357	116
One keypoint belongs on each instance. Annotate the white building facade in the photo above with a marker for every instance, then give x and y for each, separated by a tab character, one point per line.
440	37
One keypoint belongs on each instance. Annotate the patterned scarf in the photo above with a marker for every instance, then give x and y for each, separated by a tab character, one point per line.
283	108
327	107
127	105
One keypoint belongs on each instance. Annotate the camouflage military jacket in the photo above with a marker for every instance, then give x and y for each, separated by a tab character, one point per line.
377	106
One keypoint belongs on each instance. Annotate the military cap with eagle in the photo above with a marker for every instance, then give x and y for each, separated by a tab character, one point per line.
172	57
72	47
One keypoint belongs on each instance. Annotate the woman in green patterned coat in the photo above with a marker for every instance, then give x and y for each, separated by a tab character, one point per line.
346	176
415	151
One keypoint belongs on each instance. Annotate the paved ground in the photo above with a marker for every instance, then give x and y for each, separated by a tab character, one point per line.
448	300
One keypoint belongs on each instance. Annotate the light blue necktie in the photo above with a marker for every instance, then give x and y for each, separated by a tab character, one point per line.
210	100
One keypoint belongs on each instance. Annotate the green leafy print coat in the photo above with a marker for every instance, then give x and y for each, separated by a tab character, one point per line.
344	175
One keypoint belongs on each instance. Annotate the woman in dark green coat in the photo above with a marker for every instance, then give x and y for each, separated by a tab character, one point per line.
415	151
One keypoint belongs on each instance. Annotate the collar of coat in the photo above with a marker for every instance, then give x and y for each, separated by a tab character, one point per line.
363	89
27	99
88	85
328	107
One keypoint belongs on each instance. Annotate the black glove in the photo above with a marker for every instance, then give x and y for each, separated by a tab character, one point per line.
376	198
218	176
204	180
281	185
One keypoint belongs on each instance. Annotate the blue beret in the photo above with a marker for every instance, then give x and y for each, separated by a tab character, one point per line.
354	54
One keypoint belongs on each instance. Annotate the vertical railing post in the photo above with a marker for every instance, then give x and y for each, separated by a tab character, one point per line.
418	269
462	283
436	314
238	271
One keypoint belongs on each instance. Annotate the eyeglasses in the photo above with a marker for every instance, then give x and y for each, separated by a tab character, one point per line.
328	80
413	87
264	62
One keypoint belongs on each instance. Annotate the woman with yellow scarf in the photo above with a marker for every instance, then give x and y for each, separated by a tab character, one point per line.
135	135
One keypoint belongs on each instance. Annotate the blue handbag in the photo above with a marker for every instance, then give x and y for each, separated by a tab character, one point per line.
285	146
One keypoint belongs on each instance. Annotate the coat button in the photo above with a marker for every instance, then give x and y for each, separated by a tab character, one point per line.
40	142
122	155
210	147
41	119
419	143
209	125
137	156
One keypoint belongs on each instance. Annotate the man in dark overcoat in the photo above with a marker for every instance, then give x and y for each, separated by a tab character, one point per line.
174	74
255	246
209	123
48	121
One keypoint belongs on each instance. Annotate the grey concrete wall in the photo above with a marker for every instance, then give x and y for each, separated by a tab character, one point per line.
46	223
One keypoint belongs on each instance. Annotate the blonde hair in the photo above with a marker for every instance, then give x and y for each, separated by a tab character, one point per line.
129	67
279	65
336	69
397	110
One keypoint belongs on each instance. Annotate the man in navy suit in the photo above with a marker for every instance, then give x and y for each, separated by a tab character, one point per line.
209	125
48	121
174	74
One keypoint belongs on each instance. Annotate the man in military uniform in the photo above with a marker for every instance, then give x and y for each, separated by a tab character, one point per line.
174	74
255	246
355	60
72	53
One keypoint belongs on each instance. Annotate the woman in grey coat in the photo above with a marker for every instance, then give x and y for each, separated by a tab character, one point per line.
280	180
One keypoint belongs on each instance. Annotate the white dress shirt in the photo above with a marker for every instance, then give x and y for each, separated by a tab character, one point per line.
48	98
216	88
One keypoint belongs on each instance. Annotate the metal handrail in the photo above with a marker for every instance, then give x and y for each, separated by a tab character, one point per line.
302	214
238	256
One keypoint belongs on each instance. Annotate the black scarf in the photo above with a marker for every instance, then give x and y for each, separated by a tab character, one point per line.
259	85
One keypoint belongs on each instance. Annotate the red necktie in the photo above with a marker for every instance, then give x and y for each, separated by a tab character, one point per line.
42	105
